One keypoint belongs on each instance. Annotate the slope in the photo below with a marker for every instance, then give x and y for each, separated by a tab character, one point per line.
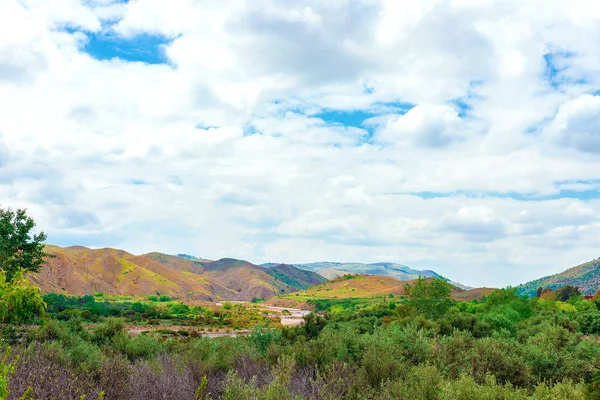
78	270
297	278
361	286
176	262
586	276
248	280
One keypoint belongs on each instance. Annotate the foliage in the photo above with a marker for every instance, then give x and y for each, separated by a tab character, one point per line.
7	367
504	347
585	276
429	297
20	249
19	301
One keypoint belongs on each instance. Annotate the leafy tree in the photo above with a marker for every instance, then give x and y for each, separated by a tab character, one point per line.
20	249
19	301
430	297
566	292
539	291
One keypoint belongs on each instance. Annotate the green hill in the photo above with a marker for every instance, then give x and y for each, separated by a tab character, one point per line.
585	276
297	278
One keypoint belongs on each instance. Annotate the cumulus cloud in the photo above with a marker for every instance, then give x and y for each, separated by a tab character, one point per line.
425	125
453	135
577	124
476	223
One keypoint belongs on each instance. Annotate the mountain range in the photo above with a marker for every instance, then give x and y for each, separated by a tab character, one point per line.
402	272
79	270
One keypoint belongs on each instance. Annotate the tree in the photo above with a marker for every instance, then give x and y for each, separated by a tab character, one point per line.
539	291
566	292
20	249
19	301
430	297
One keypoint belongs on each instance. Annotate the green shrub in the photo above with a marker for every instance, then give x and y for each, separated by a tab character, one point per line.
105	331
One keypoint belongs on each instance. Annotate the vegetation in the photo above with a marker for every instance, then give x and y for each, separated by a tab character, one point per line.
154	310
562	294
19	301
294	277
426	346
585	276
20	249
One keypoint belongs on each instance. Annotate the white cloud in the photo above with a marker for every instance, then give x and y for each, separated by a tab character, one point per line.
577	124
249	144
425	125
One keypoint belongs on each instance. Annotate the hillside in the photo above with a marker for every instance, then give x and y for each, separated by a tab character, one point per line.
297	278
367	286
176	262
331	270
79	270
586	276
472	294
249	280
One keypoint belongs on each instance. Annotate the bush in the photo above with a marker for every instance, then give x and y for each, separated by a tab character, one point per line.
19	301
104	332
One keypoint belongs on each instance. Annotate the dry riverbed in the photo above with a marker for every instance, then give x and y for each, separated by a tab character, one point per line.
286	316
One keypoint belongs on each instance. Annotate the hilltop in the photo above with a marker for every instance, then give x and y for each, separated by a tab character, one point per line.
368	286
79	270
586	276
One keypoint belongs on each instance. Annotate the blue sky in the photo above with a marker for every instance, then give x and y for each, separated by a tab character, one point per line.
144	48
453	136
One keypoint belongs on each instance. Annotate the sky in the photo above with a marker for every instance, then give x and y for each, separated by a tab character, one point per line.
461	136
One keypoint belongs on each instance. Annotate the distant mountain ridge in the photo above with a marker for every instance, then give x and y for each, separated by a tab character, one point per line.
78	270
586	276
331	270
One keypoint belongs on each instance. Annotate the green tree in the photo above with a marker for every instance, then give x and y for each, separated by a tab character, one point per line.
19	300
20	249
566	292
430	297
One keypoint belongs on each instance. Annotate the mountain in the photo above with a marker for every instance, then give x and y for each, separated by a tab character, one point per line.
586	276
366	286
176	262
334	269
79	270
297	278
